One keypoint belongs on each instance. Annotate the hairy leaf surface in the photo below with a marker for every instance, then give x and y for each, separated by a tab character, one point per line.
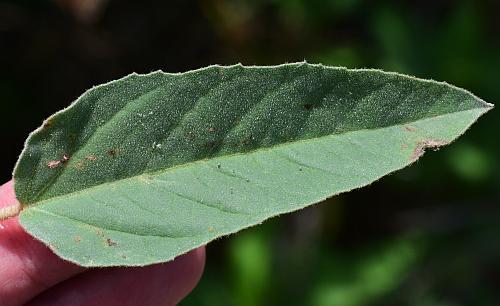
142	169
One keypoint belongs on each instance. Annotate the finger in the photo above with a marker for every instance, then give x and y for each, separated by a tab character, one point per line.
27	267
162	284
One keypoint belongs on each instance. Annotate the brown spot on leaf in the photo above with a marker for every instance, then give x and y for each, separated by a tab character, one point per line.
80	165
404	146
47	123
77	239
65	158
111	243
410	128
56	163
53	164
433	144
99	233
112	152
211	129
91	157
211	229
124	257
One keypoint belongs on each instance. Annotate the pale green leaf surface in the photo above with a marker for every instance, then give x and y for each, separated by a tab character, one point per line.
162	163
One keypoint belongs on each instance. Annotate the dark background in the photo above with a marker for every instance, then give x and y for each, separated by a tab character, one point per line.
426	236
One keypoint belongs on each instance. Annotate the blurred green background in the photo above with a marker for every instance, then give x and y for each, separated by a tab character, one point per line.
426	236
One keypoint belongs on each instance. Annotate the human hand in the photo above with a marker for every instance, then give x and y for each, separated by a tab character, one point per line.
30	274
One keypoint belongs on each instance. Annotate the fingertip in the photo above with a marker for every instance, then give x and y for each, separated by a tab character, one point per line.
7	194
163	284
27	267
191	266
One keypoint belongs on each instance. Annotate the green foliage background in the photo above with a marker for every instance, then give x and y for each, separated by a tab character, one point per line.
425	236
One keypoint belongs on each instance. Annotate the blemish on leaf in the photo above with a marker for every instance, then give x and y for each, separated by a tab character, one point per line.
53	164
211	229
111	243
77	239
100	233
156	145
211	129
91	157
65	158
112	152
56	163
80	165
47	123
433	144
410	128
404	146
124	257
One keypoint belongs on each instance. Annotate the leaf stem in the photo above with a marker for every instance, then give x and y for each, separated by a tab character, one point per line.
10	211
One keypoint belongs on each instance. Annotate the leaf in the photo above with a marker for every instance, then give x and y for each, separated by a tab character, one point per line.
148	167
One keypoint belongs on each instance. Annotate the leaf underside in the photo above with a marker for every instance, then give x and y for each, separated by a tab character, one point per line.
142	169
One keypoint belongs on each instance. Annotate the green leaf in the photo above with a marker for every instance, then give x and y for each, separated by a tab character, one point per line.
148	167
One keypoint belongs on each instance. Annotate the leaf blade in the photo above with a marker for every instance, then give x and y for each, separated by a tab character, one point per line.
301	157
